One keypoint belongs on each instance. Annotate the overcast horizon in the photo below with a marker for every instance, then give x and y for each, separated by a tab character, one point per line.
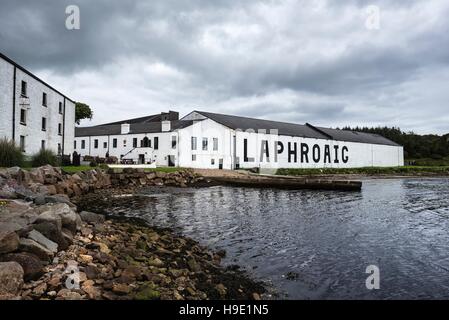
294	61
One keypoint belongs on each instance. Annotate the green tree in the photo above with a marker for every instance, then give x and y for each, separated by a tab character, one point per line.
82	111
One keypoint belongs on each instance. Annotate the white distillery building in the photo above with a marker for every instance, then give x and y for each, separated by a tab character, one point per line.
32	113
210	140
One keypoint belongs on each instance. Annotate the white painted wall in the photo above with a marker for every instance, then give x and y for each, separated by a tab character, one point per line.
32	131
125	147
357	154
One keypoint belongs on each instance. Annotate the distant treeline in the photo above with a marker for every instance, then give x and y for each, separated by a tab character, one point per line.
415	146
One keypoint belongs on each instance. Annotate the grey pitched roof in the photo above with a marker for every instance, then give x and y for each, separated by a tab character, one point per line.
115	129
296	130
171	115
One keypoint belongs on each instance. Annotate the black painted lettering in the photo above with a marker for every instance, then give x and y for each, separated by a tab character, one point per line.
344	156
304	153
245	152
316	153
336	154
264	150
327	154
279	148
292	152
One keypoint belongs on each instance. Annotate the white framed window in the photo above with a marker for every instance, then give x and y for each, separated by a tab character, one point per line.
205	144
194	143
215	144
193	157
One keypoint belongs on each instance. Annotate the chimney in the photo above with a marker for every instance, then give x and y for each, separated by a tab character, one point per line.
166	125
125	128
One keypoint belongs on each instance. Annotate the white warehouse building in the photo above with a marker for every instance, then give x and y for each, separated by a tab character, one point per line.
211	140
32	113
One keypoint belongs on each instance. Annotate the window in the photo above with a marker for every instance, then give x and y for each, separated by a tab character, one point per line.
204	144
44	99
173	142
60	129
114	143
23	89
124	143
83	144
215	144
43	144
59	149
105	145
74	144
212	162
22	143
96	143
193	157
193	143
44	124
156	143
134	142
60	108
23	116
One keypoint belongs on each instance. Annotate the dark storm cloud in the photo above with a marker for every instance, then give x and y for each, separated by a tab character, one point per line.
304	61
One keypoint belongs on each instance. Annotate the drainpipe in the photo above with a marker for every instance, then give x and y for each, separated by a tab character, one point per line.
14	105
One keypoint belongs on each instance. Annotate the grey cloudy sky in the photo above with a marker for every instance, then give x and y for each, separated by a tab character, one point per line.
298	61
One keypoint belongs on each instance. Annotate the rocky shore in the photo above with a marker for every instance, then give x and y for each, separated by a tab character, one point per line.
48	250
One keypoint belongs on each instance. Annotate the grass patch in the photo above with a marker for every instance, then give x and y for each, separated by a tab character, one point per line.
75	169
406	170
164	169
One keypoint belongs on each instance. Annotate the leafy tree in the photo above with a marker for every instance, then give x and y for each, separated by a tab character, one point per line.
415	146
82	111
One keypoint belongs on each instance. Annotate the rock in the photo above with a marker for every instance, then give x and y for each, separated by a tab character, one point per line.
66	294
121	288
69	218
193	265
177	295
40	289
9	241
11	278
85	258
147	292
221	289
52	232
35	248
256	296
55	282
91	291
32	266
91	272
92	218
44	241
49	217
155	262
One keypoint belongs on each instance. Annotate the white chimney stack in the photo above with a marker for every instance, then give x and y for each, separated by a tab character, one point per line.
166	125
125	128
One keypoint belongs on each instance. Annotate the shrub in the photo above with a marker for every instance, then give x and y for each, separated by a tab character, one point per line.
10	154
93	164
45	157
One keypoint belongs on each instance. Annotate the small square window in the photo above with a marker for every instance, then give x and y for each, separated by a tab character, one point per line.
215	142
22	143
173	142
60	129
60	108
105	145
193	157
205	144
114	143
96	143
43	144
83	144
74	144
212	161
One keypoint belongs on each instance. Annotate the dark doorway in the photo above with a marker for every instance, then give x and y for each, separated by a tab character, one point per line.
141	159
171	161
220	164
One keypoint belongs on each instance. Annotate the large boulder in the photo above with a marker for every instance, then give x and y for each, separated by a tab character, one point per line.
69	218
31	264
11	279
31	246
43	241
52	232
9	241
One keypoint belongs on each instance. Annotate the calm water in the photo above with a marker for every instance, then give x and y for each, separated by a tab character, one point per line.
325	238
